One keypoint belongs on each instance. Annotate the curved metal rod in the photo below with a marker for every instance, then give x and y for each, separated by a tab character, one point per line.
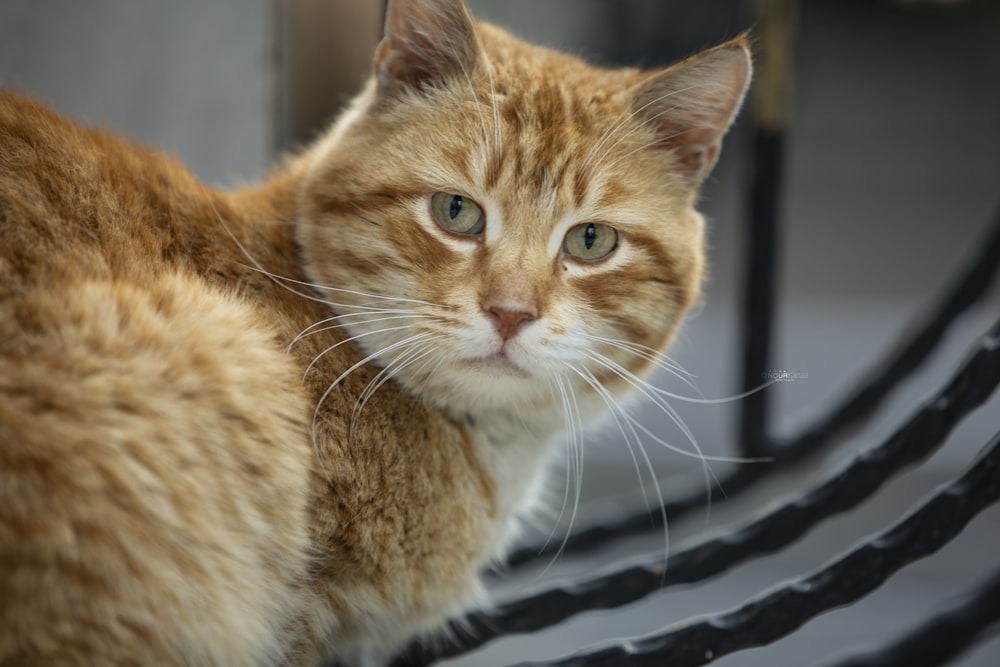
942	637
923	433
849	578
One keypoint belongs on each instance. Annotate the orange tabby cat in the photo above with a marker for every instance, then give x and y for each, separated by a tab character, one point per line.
292	423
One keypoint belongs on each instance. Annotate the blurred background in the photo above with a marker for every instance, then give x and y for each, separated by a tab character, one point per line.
893	172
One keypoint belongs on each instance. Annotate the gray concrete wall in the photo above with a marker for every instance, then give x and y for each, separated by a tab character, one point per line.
186	76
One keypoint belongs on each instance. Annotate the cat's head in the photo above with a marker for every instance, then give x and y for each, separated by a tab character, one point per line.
504	223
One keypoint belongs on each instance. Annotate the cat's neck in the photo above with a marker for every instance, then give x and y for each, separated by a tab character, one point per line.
517	448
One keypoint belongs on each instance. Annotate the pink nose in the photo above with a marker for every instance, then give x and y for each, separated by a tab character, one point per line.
509	322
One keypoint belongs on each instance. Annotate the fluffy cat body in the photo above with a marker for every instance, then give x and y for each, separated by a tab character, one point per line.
294	422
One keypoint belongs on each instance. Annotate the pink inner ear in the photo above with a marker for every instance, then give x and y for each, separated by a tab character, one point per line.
698	158
695	138
693	103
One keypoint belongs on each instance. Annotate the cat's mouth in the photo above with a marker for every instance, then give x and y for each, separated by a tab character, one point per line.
500	363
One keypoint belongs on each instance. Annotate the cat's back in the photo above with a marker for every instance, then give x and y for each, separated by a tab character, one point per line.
152	473
78	203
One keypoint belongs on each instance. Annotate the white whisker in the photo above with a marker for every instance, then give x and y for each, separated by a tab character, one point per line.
711	480
352	339
649	391
574	466
436	356
674	369
364	313
626	428
256	265
656	357
567	441
311	330
327	288
395	346
715	401
409	355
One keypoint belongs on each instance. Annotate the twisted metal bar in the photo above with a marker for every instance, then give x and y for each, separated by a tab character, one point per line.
926	430
781	612
942	637
967	289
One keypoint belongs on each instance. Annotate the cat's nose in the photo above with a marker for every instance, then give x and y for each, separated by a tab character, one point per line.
508	322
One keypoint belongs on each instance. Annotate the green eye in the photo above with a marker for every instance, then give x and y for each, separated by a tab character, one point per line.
457	214
591	242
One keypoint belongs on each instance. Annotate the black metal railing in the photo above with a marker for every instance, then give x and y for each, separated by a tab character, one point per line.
922	533
934	523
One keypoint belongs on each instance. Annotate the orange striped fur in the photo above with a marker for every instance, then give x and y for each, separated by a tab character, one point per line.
294	422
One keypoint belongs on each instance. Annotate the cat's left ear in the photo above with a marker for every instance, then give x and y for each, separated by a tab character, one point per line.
426	43
693	103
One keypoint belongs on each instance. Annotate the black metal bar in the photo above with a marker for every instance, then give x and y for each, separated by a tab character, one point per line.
942	637
926	430
775	32
966	289
760	261
849	578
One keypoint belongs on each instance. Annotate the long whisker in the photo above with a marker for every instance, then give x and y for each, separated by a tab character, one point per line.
648	391
652	353
648	353
711	480
390	348
335	318
624	427
618	413
574	467
408	356
570	428
311	330
436	355
327	288
256	265
349	340
656	357
715	401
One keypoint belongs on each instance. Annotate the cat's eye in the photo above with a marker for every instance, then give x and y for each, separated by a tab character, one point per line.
590	242
457	214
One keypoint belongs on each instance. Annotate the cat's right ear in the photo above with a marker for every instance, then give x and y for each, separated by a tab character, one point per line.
426	42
